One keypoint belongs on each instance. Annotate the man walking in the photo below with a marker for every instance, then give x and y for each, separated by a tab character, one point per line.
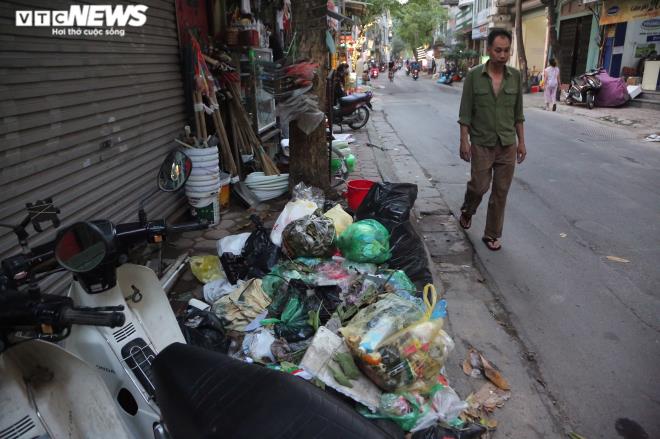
491	116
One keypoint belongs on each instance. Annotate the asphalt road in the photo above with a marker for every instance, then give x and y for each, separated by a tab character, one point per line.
586	191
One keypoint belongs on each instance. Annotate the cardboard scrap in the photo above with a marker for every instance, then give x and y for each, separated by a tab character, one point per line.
319	355
483	403
476	364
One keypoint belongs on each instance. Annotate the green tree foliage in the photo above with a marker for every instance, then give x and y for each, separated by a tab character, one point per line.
417	20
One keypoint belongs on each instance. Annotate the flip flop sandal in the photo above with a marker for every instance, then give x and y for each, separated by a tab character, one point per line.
465	224
489	243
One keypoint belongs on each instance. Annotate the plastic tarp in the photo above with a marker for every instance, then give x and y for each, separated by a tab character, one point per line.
613	91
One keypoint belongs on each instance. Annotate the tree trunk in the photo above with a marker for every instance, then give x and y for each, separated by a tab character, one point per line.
309	154
551	12
520	46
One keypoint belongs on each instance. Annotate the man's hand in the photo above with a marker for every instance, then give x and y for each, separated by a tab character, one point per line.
521	152
466	150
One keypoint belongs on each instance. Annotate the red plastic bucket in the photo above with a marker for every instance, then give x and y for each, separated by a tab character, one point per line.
357	190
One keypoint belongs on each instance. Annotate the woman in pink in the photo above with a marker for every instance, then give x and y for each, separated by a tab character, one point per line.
551	82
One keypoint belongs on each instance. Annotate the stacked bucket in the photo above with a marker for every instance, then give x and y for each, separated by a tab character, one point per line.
204	183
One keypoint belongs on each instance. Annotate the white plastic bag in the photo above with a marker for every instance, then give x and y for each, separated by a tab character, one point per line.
256	345
292	211
233	244
218	288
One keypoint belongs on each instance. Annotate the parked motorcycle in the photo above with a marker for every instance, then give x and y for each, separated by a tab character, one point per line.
353	110
415	74
447	77
583	89
120	349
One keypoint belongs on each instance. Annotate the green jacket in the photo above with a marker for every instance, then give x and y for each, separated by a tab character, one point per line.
490	117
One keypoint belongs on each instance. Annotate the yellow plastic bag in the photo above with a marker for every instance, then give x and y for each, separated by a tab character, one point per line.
397	345
206	268
340	218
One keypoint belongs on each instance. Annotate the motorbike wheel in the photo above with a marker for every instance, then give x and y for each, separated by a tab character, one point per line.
569	100
361	118
590	100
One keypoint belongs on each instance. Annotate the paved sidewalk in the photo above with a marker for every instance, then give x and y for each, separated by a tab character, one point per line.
476	317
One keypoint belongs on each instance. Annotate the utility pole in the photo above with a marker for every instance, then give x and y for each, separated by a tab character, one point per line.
309	154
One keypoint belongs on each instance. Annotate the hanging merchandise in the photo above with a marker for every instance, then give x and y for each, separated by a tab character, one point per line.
205	86
365	241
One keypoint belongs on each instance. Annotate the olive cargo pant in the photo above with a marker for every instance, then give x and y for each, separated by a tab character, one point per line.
496	164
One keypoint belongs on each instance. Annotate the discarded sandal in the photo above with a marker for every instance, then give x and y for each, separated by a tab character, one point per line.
490	243
465	221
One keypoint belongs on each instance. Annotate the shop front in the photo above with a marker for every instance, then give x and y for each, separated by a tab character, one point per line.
534	27
578	38
631	35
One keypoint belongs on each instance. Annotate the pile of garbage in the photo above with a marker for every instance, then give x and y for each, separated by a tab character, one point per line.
344	301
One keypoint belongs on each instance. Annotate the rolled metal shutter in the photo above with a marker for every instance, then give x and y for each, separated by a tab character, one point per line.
87	120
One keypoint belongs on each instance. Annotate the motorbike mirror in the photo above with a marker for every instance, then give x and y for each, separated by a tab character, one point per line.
174	171
81	248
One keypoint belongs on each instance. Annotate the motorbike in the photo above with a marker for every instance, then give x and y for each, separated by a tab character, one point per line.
407	70
353	110
118	350
583	89
373	72
415	74
446	78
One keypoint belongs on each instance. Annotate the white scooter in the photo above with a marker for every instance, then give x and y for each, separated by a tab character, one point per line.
122	356
46	391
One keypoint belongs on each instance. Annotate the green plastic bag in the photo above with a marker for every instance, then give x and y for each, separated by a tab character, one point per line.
404	409
365	241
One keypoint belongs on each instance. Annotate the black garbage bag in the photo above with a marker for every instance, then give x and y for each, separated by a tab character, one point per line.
258	256
409	255
259	251
234	267
289	312
204	329
388	203
470	431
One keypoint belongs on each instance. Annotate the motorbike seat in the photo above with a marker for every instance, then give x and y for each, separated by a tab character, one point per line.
350	99
206	394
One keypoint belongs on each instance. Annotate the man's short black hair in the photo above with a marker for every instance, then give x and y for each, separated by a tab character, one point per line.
494	33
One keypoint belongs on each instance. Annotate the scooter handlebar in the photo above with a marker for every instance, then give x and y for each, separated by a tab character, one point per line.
187	227
72	316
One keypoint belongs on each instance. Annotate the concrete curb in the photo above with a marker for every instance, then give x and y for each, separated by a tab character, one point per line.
477	316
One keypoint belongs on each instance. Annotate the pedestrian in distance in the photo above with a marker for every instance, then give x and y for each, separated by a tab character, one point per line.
490	118
550	84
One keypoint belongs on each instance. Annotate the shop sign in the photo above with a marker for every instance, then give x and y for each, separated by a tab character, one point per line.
618	11
481	32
